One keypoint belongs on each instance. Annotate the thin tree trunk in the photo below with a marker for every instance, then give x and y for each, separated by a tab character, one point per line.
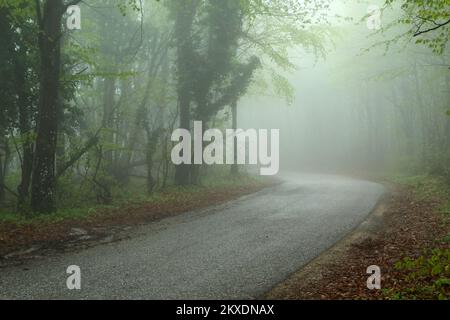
165	168
25	127
183	30
2	181
234	166
152	142
4	172
108	122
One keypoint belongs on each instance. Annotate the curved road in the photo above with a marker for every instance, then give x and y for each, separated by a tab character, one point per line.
234	251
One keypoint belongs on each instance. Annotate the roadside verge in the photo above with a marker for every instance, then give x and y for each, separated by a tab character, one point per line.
23	239
407	236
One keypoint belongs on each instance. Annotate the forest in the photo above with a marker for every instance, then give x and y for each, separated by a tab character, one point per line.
91	92
87	112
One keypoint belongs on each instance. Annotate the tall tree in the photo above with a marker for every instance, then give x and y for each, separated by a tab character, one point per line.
49	15
184	13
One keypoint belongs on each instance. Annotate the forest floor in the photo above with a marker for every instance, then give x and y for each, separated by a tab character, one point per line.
408	238
29	238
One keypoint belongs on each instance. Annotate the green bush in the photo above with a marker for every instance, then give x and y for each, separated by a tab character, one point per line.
428	276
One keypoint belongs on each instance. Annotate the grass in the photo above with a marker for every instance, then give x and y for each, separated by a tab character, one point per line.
446	238
133	195
446	208
424	185
60	215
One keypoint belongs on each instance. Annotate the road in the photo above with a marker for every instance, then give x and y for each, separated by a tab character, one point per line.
238	250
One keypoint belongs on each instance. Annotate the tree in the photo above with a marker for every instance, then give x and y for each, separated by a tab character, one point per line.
427	21
184	14
48	17
19	89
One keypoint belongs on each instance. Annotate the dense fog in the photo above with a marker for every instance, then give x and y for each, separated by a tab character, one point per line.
225	149
363	107
353	86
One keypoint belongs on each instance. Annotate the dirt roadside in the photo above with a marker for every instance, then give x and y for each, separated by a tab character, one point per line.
400	226
21	242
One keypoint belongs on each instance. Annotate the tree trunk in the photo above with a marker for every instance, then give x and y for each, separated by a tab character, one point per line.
196	169
234	166
43	178
152	143
26	130
4	161
108	118
2	181
183	170
183	32
27	169
165	164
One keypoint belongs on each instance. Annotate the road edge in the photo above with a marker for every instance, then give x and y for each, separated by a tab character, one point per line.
312	271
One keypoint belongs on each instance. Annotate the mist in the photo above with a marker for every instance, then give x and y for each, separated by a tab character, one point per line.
224	149
361	108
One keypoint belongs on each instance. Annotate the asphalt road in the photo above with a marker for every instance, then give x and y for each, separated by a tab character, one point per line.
234	251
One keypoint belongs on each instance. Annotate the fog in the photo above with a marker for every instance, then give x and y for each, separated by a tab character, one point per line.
212	149
358	109
354	87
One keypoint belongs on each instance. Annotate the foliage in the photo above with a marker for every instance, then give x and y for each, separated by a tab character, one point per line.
273	29
428	276
427	21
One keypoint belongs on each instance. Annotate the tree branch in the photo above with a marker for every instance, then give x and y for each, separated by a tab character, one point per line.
75	157
438	25
9	190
